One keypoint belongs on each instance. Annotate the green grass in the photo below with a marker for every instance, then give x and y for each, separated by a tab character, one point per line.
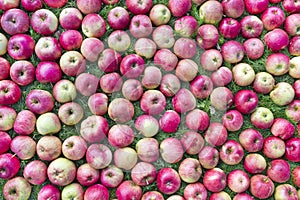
264	100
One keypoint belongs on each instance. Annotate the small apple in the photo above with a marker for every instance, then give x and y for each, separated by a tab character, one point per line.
190	170
251	140
282	94
263	83
147	125
255	163
168	181
74	147
214	180
121	110
35	172
70	113
120	135
208	157
125	158
8	118
48	123
143	174
171	150
22	72
274	147
261	186
64	91
17	188
44	22
279	170
262	118
87	175
49	147
23	146
238	181
74	190
70	18
94	128
9	165
111	176
147	149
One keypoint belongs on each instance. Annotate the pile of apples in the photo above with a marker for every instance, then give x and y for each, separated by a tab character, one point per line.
145	88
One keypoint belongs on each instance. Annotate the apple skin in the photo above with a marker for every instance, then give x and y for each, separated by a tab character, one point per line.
132	89
282	94
152	77
35	172
233	120
292	112
274	147
91	48
160	14
147	125
48	72
276	40
89	6
168	181
197	120
251	140
170	85
282	128
21	187
252	26
64	91
254	48
291	24
96	191
145	47
211	60
185	48
243	74
143	174
233	9
5	141
140	26
273	17
295	176
119	40
111	82
263	83
93	25
171	150
23	146
125	158
147	149
294	46
5	65
255	163
74	147
256	7
216	134
72	63
208	157
238	181
121	110
152	195
231	152
87	175
296	87
169	121
221	77
153	102
20	46
8	118
294	67
211	12
120	135
132	66
49	148
292	151
70	113
32	6
49	191
10	92
6	5
262	118
94	128
214	180
74	190
184	101
279	170
232	51
243	196
48	49
86	84
55	3
179	8
166	64
277	64
70	40
194	191
286	191
111	176
51	126
246	101
118	18
186	26
129	190
14	21
291	6
164	37
9	165
221	98
44	22
207	36
109	60
261	186
70	18
190	170
229	28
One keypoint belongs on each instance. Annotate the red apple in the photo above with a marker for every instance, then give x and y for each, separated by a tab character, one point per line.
256	7
295	176
109	60
238	181
246	101
169	121
292	150
20	46
233	120
166	64
96	191
93	25
147	125
70	18
262	118
35	172
179	8
5	66
207	36
168	181
23	146
5	141
251	140
274	147
216	134
254	48
211	12
17	188
118	18
111	176
279	170
208	157
44	22
128	190
197	120
153	102
252	26
263	83
48	72
233	8
143	174
147	149
9	165
221	98
255	163
229	28
211	60
184	101
261	186
171	150
190	170
94	128
231	152
232	51
88	6
121	110
22	72
163	36
48	148
111	82
221	77
276	40
87	175
214	180
120	135
14	21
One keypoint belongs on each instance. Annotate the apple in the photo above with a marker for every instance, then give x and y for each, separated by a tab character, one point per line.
140	26
256	7
262	118
153	102
169	121
175	197
98	103
238	181
93	25
49	147
295	176
211	12
49	191
17	188
147	149
170	85
120	135
179	8
194	191
161	61
254	48
74	190
48	72
296	87
160	14
190	170
294	46
48	49
243	74
168	181
229	28
32	5
87	175
143	174
64	91
119	40
86	84
279	170
20	46
285	191
72	63
261	186
147	125
9	165
232	120
184	101
118	18
5	5
22	72
132	66
111	176
221	98
263	83
8	117
208	157
48	123
282	128
121	110
74	147
109	60
44	22
125	158
197	120
14	21
152	195
277	64
164	37
291	6
94	128
70	113
89	6
291	24
207	36
292	149
35	172
61	171
246	101
70	18
55	4
5	141
110	2
216	134
23	146
292	112
129	190
274	147
139	8
251	140
221	77
282	94
70	40
232	51
276	40
214	180
243	196
171	150
233	9
231	152
5	65
186	26
192	142
294	67
273	17
96	191
251	26
255	163
111	82
152	77
145	47
211	60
